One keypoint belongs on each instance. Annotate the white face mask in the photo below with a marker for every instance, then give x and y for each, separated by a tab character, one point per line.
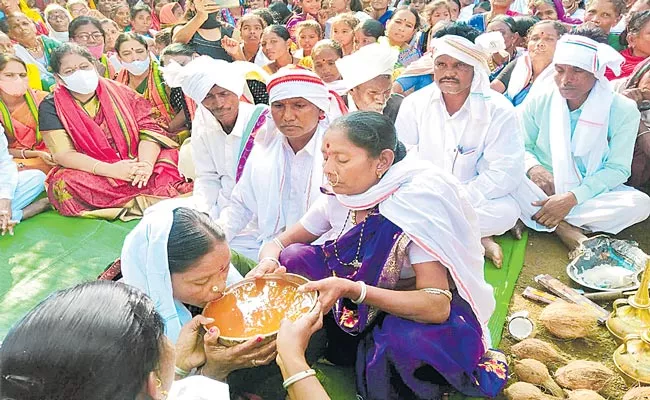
137	67
82	81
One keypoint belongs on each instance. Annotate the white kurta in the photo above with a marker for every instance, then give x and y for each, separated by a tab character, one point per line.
480	145
270	209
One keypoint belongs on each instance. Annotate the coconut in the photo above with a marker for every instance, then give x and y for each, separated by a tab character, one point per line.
638	393
568	321
583	374
584	394
538	350
533	371
525	391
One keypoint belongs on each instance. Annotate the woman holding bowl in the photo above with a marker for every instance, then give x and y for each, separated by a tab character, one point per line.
401	267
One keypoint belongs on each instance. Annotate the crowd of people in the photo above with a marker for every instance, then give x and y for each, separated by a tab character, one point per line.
375	147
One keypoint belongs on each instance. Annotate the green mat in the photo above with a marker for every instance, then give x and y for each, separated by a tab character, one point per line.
50	252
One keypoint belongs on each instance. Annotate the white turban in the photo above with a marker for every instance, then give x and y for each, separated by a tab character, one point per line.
585	53
291	82
367	63
200	75
463	50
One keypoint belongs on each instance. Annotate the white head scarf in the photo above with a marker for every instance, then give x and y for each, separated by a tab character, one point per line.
367	63
463	50
200	75
582	52
60	36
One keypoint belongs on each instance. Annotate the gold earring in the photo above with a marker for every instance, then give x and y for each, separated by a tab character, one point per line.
379	174
164	393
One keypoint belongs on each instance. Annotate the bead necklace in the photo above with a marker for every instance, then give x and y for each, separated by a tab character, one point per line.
355	263
35	49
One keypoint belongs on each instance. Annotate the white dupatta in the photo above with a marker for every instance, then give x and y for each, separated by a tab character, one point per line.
431	207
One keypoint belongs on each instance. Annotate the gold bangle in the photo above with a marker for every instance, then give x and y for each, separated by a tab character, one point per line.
436	291
278	243
95	167
22	154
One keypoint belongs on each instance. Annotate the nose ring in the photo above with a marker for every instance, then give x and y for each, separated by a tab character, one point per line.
333	184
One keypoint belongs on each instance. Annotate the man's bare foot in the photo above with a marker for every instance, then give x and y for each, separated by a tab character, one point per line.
492	251
571	236
36	207
518	230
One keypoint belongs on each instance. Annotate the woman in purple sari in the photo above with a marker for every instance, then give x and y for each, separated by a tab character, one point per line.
401	268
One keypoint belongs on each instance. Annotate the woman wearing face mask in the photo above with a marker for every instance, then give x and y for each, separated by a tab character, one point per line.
57	20
31	47
203	30
116	160
89	33
33	74
142	74
19	116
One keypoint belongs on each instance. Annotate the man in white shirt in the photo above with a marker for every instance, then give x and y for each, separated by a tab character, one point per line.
285	169
18	190
470	131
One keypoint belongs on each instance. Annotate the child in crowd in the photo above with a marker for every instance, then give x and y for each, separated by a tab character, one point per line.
325	54
368	31
343	26
308	34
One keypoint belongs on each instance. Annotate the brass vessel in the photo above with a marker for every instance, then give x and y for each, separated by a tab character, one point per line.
632	358
631	316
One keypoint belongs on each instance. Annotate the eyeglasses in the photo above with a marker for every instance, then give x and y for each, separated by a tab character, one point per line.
85	37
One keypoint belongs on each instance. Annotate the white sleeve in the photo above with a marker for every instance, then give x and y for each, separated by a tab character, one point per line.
406	123
242	206
417	255
207	184
316	221
8	169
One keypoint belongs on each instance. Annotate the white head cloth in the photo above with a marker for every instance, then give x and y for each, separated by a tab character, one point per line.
198	77
367	63
145	265
60	36
589	139
469	53
417	196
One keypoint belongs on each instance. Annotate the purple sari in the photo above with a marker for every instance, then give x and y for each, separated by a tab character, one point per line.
396	357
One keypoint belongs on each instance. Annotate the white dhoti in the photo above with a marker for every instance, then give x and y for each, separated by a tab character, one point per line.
497	216
609	212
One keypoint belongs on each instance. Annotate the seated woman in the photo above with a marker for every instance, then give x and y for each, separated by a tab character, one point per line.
198	267
367	32
111	32
143	75
113	159
121	14
31	47
552	10
57	20
141	20
401	268
170	15
33	74
18	190
518	79
638	44
19	116
325	53
276	45
88	32
508	29
400	31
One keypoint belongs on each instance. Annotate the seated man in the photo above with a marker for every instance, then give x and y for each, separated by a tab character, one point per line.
18	190
113	160
579	138
367	73
470	131
284	172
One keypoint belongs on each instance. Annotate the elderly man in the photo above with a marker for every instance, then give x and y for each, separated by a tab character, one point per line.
285	169
18	190
367	74
470	131
579	136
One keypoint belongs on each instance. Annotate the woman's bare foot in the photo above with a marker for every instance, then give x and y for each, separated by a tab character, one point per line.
571	236
518	230
36	207
492	251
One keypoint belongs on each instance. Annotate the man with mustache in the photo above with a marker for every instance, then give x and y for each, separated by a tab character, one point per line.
462	126
579	137
367	74
223	129
284	173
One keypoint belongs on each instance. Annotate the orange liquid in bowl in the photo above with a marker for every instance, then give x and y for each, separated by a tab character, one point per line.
257	307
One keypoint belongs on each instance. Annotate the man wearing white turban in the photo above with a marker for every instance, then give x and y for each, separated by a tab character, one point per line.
223	129
285	169
579	136
367	75
462	126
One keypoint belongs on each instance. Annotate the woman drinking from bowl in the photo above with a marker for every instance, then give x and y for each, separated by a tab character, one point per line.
391	223
194	269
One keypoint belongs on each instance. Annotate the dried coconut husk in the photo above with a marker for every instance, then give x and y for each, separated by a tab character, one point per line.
567	320
638	393
584	394
535	372
538	350
525	391
583	374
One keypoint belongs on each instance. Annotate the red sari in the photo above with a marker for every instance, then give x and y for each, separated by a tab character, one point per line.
631	61
113	134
